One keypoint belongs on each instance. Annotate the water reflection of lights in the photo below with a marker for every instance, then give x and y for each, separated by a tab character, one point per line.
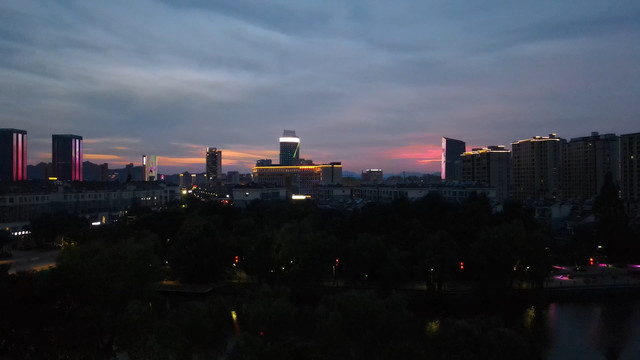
552	315
529	318
433	327
234	317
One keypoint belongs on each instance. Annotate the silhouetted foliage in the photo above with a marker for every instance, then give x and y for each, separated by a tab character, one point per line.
103	290
613	231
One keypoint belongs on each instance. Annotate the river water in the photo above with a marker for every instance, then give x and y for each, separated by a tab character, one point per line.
586	331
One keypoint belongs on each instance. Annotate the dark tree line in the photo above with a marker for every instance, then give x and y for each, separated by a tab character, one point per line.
102	298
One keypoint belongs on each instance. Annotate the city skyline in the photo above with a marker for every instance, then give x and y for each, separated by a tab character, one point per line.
370	84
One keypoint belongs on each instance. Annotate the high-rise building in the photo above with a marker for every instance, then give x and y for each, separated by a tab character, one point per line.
451	161
67	157
630	170
213	165
490	167
289	148
588	160
149	168
537	168
13	155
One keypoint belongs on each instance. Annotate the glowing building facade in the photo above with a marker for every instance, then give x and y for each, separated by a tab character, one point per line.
66	156
150	167
13	155
299	179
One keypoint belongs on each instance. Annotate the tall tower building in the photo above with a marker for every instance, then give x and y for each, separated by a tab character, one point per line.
588	161
630	170
150	168
489	167
289	148
66	156
537	167
213	165
451	161
13	155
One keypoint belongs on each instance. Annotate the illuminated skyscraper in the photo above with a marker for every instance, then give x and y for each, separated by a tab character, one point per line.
66	156
451	161
150	167
13	155
289	148
213	166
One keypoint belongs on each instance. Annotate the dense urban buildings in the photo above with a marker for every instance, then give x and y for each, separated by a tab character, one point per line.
213	165
588	161
630	170
451	161
66	156
289	148
540	168
489	167
454	193
23	202
13	155
537	168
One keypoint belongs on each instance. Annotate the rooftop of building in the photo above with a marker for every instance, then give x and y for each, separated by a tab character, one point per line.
9	130
67	136
551	137
489	149
278	166
595	136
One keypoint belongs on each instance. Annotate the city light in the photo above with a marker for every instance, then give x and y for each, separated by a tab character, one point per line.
290	139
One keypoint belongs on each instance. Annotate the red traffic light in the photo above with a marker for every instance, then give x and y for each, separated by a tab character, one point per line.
237	259
337	261
461	265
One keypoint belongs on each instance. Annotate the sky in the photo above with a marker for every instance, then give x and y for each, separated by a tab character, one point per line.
373	84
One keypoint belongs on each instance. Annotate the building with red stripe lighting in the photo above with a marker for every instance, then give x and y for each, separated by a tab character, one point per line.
13	155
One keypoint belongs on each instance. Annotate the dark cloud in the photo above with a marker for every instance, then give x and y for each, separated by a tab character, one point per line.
355	79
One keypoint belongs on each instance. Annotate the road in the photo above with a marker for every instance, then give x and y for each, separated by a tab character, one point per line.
33	260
